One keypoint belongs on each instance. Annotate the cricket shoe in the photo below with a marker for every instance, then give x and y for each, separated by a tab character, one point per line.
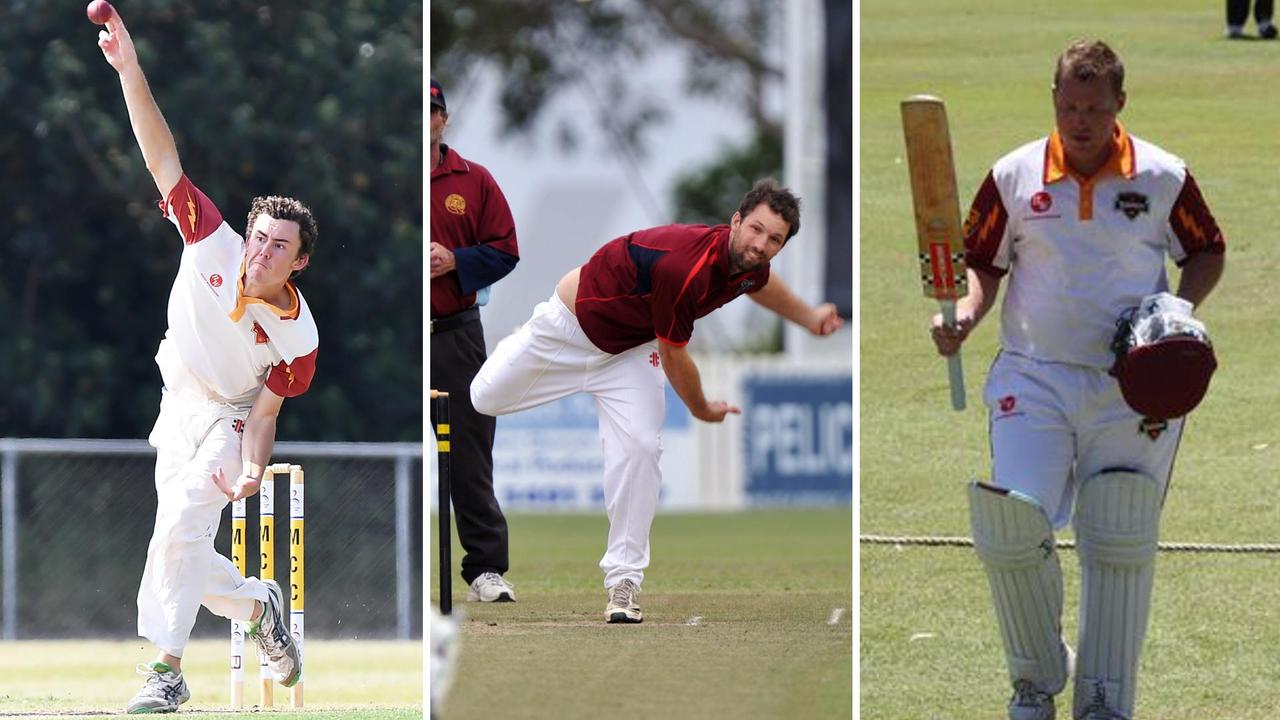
491	587
1030	702
162	692
622	607
1268	33
1099	708
275	642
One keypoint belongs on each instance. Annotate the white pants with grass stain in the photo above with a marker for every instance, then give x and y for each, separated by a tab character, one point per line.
193	438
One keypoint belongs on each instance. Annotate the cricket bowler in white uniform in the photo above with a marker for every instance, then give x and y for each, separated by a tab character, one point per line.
1081	222
240	340
617	328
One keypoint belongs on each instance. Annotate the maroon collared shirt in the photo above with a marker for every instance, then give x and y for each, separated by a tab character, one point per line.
655	283
469	216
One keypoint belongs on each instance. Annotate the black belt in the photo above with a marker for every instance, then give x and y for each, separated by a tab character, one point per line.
455	321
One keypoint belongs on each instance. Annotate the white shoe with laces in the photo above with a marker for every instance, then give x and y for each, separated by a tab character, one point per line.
491	587
162	691
622	607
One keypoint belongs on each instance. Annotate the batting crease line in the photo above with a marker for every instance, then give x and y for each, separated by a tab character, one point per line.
934	541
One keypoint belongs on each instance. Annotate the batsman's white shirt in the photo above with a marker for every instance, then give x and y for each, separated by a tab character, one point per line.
220	349
1078	252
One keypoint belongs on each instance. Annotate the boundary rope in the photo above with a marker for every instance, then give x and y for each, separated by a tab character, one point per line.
1185	547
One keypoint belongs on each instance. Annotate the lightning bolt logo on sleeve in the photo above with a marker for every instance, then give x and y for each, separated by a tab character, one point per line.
1189	223
191	214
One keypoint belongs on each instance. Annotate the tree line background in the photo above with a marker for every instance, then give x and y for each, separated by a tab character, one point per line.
539	46
320	101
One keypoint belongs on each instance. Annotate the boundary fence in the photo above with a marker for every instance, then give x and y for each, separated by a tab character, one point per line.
12	449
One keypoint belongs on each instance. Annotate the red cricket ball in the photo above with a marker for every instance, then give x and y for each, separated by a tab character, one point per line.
100	11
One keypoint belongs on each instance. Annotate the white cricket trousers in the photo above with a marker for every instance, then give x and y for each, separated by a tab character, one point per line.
193	437
1054	425
550	358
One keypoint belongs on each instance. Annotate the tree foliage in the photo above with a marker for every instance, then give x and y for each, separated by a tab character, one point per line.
321	101
544	48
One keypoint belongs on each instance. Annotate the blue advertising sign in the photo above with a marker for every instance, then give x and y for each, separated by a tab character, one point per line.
799	439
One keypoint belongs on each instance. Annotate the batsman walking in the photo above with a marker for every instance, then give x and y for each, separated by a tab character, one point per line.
1081	222
240	340
617	328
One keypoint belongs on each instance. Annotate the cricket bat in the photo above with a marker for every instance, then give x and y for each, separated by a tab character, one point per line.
937	210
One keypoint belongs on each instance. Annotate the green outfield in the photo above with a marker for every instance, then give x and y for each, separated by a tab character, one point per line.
929	646
363	680
746	616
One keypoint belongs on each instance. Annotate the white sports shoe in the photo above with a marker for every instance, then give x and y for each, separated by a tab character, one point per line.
491	587
622	607
1030	703
162	692
274	639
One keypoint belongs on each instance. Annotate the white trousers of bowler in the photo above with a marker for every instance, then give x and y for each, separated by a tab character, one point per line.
550	358
1054	425
193	437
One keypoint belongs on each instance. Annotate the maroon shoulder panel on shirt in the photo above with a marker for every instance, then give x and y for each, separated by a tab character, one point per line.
656	283
984	228
293	379
1192	222
468	209
197	216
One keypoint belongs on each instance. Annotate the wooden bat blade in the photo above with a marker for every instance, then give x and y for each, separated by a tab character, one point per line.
935	198
937	212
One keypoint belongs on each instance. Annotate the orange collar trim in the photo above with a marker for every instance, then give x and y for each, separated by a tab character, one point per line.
1121	162
243	301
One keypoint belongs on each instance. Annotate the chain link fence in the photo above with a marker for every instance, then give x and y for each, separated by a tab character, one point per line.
76	517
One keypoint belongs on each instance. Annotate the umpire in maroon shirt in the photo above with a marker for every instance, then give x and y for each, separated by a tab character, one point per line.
473	245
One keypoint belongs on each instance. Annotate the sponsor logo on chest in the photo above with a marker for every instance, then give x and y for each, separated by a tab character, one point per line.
1132	204
260	335
1041	206
456	204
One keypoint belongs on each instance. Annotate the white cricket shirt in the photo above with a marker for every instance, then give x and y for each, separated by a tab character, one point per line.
220	343
1079	252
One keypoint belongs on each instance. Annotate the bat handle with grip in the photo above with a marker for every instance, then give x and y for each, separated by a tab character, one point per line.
954	368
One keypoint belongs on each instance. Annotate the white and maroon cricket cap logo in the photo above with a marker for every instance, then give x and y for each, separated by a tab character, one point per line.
1041	202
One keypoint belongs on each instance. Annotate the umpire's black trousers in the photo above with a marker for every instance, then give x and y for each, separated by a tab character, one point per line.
1238	11
457	352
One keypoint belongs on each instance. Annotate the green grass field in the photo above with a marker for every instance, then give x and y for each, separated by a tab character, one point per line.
362	680
738	610
929	647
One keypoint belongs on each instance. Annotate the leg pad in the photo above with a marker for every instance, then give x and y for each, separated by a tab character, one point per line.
1015	542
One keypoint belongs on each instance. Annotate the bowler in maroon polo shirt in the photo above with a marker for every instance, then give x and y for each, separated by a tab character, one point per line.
617	328
473	245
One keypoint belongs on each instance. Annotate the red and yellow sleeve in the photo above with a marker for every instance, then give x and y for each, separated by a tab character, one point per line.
984	228
292	379
1192	222
195	214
